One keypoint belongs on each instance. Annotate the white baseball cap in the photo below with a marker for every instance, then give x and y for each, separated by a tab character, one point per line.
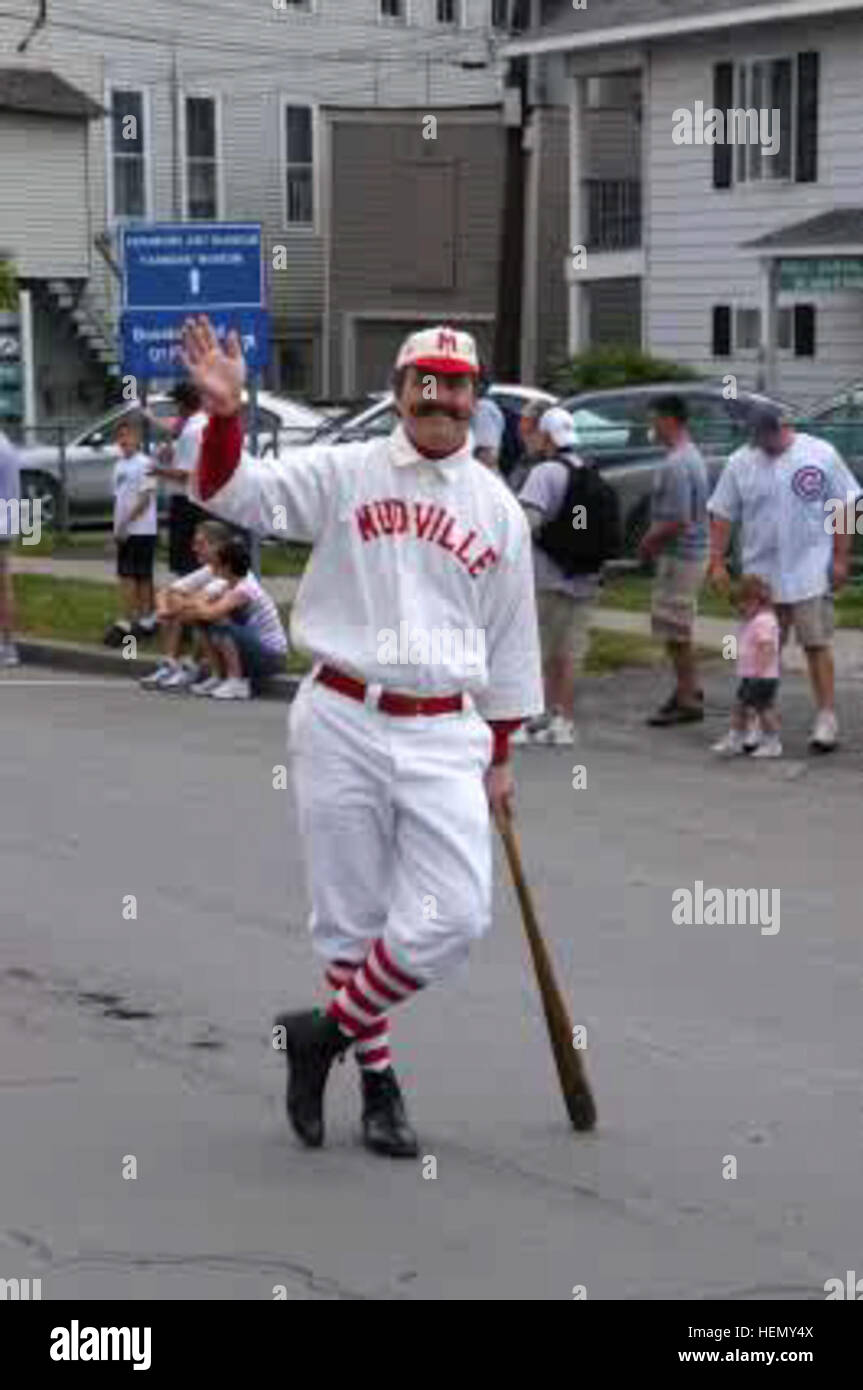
559	425
440	349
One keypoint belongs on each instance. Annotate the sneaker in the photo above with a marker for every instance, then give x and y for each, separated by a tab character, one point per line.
673	713
751	740
157	678
117	633
730	744
825	731
769	747
527	732
182	677
558	732
234	688
206	686
9	654
145	627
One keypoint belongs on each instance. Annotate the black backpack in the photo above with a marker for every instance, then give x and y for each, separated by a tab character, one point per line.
580	544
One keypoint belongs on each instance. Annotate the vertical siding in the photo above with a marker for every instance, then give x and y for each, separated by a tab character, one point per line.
696	231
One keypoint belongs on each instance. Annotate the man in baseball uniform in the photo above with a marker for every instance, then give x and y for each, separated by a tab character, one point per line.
417	608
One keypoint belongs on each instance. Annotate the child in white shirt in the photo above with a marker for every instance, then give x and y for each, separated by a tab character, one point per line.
135	530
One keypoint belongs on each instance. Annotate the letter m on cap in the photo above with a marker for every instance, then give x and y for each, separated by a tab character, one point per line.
446	341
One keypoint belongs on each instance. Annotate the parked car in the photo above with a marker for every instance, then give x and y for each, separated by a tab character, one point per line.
91	453
615	425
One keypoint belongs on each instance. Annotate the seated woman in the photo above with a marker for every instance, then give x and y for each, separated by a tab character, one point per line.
241	633
174	674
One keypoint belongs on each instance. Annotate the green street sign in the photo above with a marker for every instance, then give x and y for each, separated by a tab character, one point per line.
822	274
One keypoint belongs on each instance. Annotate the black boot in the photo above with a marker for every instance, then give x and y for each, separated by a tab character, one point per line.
313	1040
385	1123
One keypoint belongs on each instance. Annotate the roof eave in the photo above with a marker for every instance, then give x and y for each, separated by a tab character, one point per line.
672	28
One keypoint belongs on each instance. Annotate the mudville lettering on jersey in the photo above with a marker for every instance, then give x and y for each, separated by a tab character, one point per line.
426	522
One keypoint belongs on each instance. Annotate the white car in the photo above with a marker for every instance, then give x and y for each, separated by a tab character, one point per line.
91	453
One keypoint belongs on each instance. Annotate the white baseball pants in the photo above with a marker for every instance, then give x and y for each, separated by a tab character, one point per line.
395	820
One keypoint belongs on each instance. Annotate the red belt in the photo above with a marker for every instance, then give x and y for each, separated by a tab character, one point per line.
389	701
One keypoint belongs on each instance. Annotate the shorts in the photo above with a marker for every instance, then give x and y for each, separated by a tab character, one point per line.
136	556
812	621
756	692
256	661
674	600
183	520
564	624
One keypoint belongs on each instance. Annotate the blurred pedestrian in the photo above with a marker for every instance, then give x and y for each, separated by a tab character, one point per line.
488	425
780	489
175	466
9	503
568	555
677	541
531	443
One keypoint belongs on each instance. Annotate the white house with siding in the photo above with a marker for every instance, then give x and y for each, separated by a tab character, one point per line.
184	109
722	256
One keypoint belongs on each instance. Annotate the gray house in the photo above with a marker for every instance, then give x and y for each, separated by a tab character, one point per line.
734	247
304	115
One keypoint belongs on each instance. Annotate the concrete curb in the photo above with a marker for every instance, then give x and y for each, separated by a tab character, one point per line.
94	661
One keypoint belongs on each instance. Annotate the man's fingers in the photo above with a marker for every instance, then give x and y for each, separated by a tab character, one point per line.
232	344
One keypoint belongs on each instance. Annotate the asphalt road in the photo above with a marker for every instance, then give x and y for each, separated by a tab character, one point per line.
149	1038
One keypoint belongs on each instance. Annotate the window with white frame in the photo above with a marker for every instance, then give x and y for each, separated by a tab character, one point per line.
299	166
738	330
128	153
202	158
392	9
764	86
304	5
500	14
448	11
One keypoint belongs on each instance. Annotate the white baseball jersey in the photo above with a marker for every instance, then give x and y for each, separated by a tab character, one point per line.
421	577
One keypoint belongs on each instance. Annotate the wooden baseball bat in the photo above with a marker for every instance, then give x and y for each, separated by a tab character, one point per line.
577	1095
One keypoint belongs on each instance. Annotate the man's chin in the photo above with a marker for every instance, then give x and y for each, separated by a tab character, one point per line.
433	441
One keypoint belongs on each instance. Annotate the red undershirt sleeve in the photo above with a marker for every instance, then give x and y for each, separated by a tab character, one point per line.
221	447
502	728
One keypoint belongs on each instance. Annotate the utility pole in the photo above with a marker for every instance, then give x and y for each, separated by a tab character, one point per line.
507	338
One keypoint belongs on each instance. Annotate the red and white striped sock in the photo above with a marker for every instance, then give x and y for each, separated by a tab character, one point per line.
361	1004
373	1043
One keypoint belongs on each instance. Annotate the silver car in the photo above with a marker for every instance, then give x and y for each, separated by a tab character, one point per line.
91	453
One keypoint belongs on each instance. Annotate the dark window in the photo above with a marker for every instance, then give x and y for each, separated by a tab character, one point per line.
128	154
500	14
447	11
721	330
804	330
201	159
723	89
392	9
807	118
298	165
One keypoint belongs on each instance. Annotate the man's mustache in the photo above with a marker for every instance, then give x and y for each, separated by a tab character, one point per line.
425	408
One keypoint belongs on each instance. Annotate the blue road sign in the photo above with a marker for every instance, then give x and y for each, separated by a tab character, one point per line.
173	270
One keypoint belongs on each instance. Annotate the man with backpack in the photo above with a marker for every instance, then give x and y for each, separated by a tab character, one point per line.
575	521
677	541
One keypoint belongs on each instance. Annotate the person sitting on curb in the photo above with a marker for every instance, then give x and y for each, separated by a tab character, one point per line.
241	633
172	673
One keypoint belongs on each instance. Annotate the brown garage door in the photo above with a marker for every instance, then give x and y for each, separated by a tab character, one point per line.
379	340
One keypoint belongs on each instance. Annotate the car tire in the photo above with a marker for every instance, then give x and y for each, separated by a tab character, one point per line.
42	488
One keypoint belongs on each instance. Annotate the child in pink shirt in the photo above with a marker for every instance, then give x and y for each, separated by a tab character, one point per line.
754	718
